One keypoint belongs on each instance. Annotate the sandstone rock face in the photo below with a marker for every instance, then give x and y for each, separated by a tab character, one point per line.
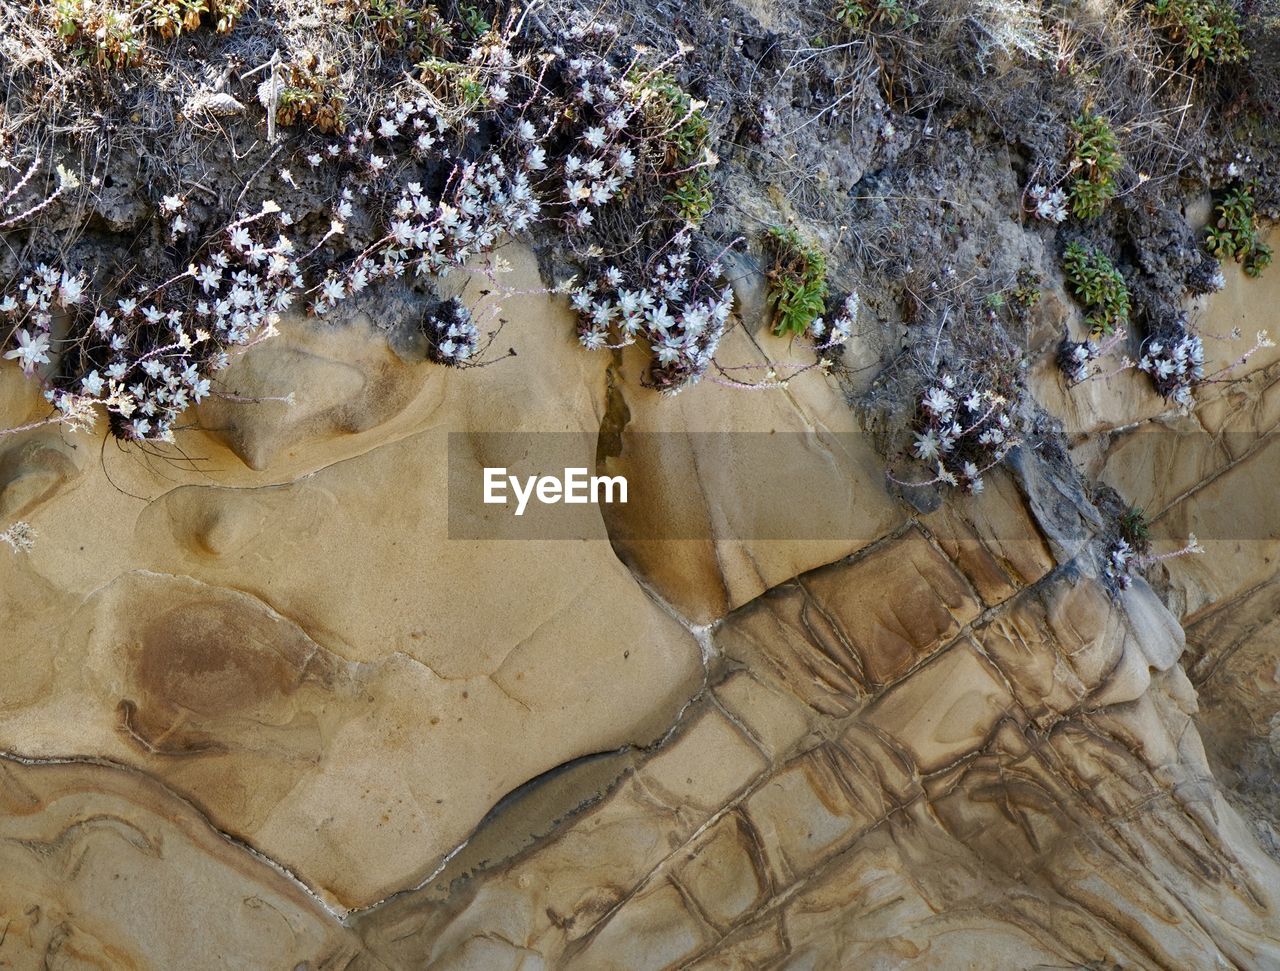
105	868
259	691
274	622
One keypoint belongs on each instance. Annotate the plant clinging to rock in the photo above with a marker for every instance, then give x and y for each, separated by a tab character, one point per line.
797	281
1095	162
306	93
1173	358
962	429
859	15
1098	285
512	132
1234	235
115	34
1208	31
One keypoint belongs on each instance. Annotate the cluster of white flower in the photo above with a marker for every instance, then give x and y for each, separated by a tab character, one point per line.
1120	557
680	315
516	136
1074	358
827	336
147	357
963	432
1175	362
602	163
549	158
452	334
29	312
20	537
1049	204
1206	277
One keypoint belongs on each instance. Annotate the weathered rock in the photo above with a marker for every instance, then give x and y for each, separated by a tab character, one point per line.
301	649
105	868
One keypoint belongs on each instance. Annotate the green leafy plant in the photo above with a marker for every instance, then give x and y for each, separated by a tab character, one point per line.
417	28
1208	31
1235	233
1135	530
310	96
1028	291
797	281
858	15
672	110
1095	159
475	21
115	35
1098	285
1020	297
692	197
685	134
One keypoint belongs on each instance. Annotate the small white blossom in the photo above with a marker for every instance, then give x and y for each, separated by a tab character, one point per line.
30	350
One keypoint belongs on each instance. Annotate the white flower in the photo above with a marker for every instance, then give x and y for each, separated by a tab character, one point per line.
333	290
140	427
377	163
595	137
526	131
20	536
388	128
30	350
926	446
208	277
71	289
938	402
171	204
402	232
103	323
240	238
970	471
92	384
